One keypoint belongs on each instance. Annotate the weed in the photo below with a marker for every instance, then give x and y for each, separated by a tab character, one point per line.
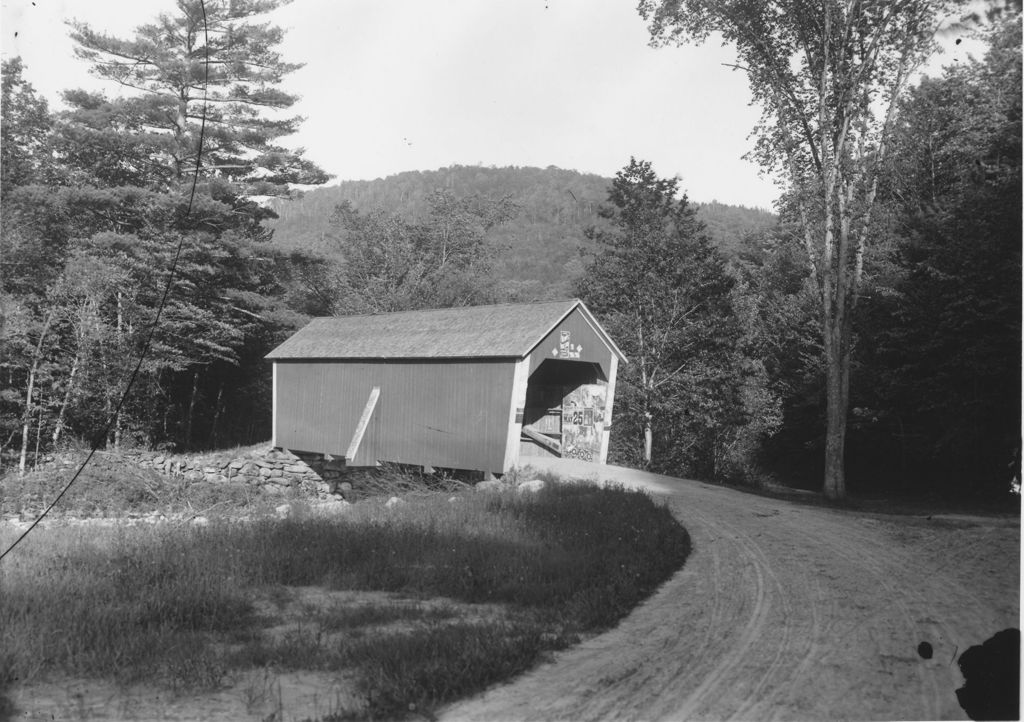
176	604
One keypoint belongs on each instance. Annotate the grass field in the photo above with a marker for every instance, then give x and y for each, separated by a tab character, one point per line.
479	587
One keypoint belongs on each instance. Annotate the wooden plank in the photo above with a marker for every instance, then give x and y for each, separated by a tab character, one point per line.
545	441
517	403
364	421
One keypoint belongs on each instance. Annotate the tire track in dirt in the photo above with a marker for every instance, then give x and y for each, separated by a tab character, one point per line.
782	612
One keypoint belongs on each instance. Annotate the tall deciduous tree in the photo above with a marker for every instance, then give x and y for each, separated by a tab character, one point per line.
827	76
662	292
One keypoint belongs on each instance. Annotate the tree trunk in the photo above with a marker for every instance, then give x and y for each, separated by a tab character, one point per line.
33	370
837	396
26	425
122	348
39	432
216	416
648	438
59	425
835	431
191	410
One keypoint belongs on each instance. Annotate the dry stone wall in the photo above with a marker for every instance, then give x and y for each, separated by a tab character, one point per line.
274	470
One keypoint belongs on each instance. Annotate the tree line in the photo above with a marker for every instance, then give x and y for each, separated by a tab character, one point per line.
875	324
98	199
543	244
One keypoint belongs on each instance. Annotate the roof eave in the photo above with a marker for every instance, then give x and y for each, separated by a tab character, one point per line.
589	318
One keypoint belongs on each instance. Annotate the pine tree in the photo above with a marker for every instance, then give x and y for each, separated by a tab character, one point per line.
214	63
662	292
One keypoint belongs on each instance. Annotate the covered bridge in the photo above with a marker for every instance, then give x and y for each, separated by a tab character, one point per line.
480	387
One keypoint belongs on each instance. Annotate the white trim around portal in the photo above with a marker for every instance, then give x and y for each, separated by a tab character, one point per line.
273	407
609	404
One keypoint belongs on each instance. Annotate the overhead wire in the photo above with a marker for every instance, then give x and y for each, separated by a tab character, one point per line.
101	435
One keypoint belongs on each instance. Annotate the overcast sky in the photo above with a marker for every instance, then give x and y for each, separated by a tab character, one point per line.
396	85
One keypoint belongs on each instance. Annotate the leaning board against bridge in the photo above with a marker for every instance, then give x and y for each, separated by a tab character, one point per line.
465	388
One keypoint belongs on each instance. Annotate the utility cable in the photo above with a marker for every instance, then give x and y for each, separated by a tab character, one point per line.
102	434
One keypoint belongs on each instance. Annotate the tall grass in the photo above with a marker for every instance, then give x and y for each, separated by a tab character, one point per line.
175	604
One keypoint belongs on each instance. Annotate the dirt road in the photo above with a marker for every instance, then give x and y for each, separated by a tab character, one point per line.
784	611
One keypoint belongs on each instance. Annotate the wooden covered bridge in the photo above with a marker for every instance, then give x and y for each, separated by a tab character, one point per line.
480	387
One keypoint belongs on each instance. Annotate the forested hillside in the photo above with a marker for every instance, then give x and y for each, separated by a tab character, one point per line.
541	248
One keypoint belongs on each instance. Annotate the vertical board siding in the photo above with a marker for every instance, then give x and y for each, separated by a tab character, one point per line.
440	413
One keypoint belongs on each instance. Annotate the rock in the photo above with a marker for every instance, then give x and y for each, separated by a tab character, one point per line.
530	487
334	506
296	468
251	469
283	511
491	485
265	472
194	475
393	502
453	499
211	469
275	474
236	464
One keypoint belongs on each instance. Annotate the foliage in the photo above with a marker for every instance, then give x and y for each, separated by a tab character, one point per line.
391	264
26	123
821	75
538	252
215	56
777	306
99	200
945	351
663	293
141	604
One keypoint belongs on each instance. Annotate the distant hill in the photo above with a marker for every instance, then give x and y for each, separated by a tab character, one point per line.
543	248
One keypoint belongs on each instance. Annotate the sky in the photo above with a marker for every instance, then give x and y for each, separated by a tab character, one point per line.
397	85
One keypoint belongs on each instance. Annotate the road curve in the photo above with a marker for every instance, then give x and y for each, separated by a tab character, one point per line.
783	611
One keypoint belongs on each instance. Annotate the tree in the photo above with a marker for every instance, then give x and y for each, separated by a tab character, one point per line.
26	123
776	303
662	292
442	260
212	61
828	77
945	354
110	181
